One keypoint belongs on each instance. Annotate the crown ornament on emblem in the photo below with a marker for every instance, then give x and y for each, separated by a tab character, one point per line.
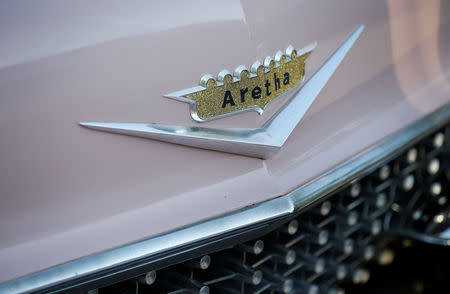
245	89
241	73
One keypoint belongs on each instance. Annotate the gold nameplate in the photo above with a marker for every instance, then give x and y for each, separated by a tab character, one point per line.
246	90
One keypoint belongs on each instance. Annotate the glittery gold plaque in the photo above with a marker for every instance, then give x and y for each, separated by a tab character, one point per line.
245	90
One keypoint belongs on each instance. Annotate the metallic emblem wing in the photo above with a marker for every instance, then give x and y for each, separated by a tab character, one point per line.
258	142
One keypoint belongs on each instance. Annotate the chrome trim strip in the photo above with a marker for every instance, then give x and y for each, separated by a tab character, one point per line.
281	206
445	235
258	142
360	164
112	258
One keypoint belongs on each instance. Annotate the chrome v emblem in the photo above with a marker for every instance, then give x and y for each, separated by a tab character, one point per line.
257	142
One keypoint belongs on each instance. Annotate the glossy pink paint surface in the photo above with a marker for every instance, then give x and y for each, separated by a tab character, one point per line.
68	192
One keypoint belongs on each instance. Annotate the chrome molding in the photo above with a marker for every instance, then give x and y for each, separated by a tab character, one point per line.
113	258
259	142
445	235
282	206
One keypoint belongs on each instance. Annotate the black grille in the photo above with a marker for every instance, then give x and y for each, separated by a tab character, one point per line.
331	243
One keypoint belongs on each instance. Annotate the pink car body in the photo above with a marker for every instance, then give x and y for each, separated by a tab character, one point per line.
67	192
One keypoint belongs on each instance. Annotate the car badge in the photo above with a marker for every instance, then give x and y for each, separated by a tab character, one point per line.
246	90
214	99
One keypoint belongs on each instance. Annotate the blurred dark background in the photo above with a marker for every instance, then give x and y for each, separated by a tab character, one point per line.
417	268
